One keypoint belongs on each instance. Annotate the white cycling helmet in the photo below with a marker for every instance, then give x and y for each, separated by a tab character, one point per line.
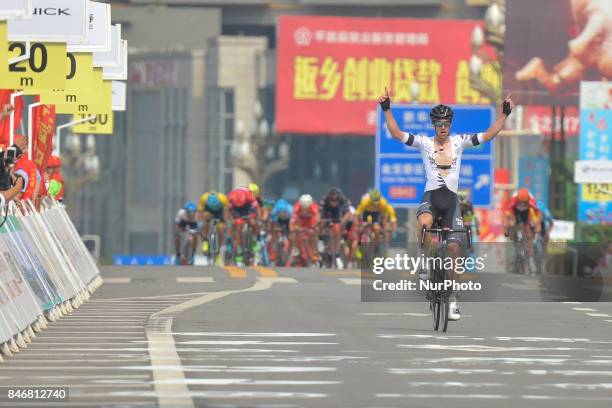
305	200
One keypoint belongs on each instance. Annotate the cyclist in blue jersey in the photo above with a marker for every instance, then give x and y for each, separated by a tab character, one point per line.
547	224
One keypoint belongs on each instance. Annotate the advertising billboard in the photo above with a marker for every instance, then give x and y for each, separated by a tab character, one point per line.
331	70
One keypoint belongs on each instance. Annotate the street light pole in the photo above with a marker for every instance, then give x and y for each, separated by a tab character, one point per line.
495	29
260	152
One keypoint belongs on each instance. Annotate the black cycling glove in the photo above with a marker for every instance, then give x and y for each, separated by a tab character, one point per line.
386	104
506	109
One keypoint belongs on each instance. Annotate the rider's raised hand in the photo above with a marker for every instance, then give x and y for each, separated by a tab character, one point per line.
385	100
507	105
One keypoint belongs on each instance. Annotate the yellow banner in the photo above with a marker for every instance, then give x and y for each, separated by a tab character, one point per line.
3	50
79	75
102	124
596	192
43	70
96	99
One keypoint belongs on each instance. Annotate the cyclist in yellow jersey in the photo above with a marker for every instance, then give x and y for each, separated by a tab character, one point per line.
212	205
374	205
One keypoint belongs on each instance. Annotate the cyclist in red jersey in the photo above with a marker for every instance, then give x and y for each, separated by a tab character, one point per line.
242	203
305	216
523	212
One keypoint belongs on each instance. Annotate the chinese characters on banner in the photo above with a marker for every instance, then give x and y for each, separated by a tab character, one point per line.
331	70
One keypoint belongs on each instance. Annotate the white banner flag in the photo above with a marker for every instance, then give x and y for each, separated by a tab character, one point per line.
15	9
99	30
119	95
53	21
110	58
119	73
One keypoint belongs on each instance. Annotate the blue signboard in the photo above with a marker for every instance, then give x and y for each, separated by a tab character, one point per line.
399	172
533	175
594	204
137	260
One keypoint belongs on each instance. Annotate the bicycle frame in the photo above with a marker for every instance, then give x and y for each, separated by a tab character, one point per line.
439	299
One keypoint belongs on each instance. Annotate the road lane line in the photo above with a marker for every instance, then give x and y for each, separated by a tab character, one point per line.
235	272
266	272
117	280
163	352
281	279
195	279
583	309
350	281
598	314
251	334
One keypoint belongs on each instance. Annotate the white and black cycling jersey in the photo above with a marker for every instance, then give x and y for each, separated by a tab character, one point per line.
425	144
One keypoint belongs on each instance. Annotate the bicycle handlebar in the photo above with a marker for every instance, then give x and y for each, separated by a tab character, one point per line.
445	232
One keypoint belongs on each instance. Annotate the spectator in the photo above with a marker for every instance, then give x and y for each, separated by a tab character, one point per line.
56	181
25	168
11	193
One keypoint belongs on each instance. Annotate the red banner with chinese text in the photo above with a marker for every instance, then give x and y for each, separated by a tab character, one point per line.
43	128
331	70
5	99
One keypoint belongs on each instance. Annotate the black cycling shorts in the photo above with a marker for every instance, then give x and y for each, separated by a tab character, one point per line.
374	214
521	216
444	204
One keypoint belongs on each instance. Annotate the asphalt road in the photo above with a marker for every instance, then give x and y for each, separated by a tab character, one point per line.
211	337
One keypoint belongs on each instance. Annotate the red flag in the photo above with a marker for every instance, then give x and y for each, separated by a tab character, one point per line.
43	127
5	124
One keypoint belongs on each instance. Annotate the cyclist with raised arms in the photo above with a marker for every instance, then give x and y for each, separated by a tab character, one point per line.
441	156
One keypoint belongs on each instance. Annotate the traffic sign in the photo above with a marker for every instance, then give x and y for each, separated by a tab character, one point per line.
399	170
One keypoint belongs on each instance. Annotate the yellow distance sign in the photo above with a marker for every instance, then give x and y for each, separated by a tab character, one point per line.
596	192
79	75
3	50
102	124
43	70
97	99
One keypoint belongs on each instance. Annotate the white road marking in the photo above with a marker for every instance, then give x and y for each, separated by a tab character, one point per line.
447	396
583	309
235	369
481	348
194	279
248	381
455	384
350	281
221	394
279	279
249	334
79	377
258	342
440	370
395	314
159	330
598	314
117	280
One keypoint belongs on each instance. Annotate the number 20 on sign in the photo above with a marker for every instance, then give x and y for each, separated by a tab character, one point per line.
43	69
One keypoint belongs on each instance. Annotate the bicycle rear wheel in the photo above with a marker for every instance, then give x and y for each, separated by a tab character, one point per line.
435	313
213	248
444	310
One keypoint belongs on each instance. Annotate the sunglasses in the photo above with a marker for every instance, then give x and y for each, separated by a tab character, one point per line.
442	123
